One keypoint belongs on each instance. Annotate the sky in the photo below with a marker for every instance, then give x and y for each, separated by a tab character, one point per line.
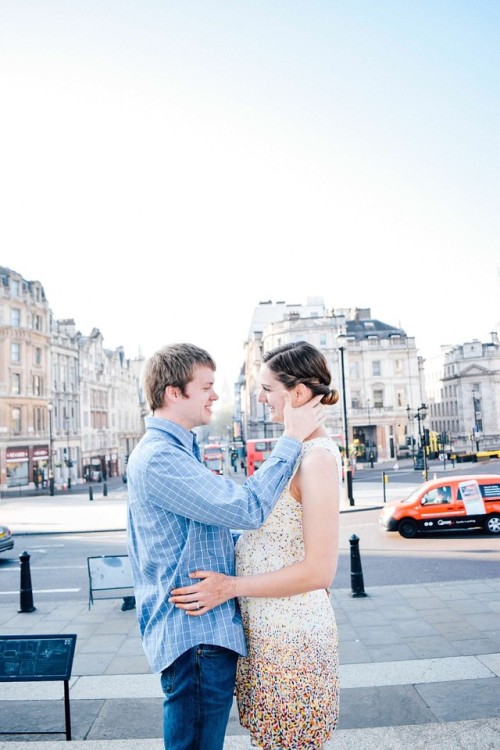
168	165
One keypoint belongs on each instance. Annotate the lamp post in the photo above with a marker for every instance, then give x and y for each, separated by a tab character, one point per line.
410	431
347	463
69	463
50	407
476	427
370	445
421	434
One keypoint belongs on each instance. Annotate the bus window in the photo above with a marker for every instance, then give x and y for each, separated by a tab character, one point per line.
257	451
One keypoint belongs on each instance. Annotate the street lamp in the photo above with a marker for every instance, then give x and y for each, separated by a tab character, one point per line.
421	434
69	463
410	432
347	464
476	426
50	407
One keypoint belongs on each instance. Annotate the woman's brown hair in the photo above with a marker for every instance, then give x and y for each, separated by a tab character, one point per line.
301	362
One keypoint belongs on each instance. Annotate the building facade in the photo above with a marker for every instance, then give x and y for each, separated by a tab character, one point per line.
381	379
24	380
463	390
64	403
70	410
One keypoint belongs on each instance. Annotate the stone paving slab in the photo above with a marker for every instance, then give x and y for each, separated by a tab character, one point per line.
365	675
464	735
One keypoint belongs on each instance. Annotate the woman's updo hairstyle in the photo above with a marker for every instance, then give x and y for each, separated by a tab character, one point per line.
300	362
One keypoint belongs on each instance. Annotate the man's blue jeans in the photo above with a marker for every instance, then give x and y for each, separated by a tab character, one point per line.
198	689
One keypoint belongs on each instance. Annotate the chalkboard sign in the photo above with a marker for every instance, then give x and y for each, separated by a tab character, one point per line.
26	658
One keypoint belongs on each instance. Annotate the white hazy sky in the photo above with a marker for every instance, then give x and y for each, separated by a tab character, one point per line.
166	165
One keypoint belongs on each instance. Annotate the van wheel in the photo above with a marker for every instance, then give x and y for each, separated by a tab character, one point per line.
492	525
407	528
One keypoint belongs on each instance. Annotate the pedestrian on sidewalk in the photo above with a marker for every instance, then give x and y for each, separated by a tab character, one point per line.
181	517
287	688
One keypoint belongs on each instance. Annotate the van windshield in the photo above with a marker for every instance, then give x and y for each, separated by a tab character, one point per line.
412	497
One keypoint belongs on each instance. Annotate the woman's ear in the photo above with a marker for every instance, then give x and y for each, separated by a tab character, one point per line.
300	395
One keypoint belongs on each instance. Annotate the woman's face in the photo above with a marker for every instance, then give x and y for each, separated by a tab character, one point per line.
271	394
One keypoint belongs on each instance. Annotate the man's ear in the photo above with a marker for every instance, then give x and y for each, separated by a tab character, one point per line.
172	393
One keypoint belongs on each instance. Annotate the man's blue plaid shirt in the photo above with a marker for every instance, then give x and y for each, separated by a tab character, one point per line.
180	517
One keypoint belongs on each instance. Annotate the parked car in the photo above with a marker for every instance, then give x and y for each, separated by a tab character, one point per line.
6	540
460	502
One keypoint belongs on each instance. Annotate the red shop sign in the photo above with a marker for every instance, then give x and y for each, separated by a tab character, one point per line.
40	452
16	454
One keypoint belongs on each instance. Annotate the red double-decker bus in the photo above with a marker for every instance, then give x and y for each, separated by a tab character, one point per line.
258	450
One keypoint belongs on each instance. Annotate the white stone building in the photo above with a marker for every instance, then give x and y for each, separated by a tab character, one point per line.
463	390
381	374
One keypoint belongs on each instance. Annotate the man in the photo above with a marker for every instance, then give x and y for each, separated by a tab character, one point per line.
180	517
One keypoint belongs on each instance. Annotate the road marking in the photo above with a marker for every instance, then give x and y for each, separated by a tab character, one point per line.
42	591
45	567
58	567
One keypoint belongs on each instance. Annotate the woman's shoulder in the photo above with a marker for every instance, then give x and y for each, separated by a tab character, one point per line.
320	442
319	453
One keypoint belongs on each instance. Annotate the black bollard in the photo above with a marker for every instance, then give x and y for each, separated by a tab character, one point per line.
26	590
105	489
357	585
91	493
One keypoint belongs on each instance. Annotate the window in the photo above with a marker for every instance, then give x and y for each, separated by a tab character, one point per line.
398	366
37	419
439	496
37	385
16	419
15	352
378	399
400	398
38	356
15	387
322	339
38	323
15	317
15	287
376	368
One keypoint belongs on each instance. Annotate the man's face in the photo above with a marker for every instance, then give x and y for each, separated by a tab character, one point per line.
195	408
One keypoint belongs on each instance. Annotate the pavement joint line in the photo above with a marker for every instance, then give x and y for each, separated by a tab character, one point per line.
479	734
361	675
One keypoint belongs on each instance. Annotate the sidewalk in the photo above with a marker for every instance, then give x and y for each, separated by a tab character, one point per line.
419	664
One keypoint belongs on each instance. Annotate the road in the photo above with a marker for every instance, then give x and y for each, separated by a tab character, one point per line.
58	562
387	558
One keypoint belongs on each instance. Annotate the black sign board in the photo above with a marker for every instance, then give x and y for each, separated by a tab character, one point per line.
36	657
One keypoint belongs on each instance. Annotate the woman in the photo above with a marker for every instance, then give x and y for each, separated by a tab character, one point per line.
287	687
